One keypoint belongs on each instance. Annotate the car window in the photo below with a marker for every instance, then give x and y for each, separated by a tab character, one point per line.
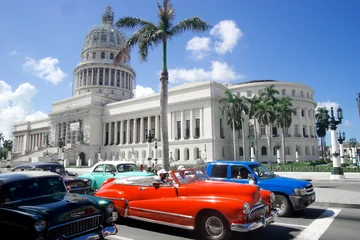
110	168
99	168
31	188
21	169
235	171
219	171
127	168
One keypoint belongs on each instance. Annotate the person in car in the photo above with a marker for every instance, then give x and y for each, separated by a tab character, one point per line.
243	173
163	180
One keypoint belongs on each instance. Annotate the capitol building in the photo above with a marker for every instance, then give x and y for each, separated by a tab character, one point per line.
103	120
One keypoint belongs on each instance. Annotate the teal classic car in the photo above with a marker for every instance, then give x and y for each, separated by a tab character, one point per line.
104	170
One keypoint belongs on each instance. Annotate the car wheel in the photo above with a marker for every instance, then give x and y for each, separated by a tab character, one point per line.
213	226
282	204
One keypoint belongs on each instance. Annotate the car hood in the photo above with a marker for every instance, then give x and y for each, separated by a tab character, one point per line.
58	208
285	181
247	193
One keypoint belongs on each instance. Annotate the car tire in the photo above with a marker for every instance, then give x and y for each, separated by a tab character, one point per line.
283	205
213	226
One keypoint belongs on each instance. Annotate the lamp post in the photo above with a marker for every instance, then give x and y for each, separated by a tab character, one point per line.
336	171
341	140
296	153
149	138
278	146
252	153
352	143
156	155
205	157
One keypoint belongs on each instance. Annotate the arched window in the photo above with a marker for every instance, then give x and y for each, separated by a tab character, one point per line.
94	55
241	151
186	154
111	56
263	151
102	55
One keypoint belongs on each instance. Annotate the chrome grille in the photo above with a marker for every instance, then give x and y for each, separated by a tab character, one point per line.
309	189
74	227
257	211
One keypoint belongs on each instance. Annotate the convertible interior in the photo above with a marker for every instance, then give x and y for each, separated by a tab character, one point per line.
139	180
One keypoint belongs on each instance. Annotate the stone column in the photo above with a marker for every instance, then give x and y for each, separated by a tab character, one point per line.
149	124
182	125
174	135
121	132
116	133
341	153
128	131
252	154
278	156
109	136
157	127
104	133
354	155
201	123
134	131
335	159
141	130
25	143
191	124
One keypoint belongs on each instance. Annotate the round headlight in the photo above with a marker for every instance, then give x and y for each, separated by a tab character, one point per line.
110	208
272	197
89	183
246	208
40	225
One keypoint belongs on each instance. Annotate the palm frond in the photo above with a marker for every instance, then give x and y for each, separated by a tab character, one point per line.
194	24
149	40
166	12
132	22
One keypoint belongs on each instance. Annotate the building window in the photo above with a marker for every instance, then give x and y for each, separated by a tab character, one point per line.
102	55
178	124
95	72
107	77
112	79
304	132
94	55
222	135
274	132
302	113
309	113
241	151
111	56
101	76
187	130
283	91
248	93
296	131
197	128
263	151
118	78
293	92
122	77
262	130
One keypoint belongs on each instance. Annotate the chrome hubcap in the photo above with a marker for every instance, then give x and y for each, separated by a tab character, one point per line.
214	227
279	205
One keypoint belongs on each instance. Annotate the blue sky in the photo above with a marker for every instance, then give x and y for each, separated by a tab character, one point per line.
310	42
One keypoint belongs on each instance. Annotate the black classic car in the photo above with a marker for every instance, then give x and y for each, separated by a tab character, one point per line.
76	184
37	205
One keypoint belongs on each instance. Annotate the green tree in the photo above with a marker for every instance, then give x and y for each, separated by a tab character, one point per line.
322	125
253	107
150	35
283	119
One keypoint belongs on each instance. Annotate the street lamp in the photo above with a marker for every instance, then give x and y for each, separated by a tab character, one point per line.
149	138
352	143
336	171
252	153
278	146
205	153
156	141
341	140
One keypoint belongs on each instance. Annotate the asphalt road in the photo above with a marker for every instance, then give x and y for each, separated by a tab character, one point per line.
349	186
311	224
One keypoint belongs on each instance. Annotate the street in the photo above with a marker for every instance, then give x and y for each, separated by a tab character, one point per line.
310	224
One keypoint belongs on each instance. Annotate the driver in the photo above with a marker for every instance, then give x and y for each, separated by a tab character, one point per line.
243	173
163	177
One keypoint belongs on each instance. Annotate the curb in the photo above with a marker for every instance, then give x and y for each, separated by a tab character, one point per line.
348	180
336	205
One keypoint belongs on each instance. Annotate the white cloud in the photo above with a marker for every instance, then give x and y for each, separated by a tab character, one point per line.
13	53
16	106
141	91
46	69
220	72
347	123
36	116
199	46
327	105
228	34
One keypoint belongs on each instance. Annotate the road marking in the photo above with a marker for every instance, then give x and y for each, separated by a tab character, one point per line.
317	228
288	225
118	237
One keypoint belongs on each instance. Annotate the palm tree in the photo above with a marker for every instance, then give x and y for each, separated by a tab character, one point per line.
231	110
1	139
268	96
283	119
253	107
265	114
322	125
150	35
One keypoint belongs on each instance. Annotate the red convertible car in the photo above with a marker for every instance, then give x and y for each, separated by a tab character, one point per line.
192	201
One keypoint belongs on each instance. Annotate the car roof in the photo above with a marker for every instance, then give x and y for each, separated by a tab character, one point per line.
115	162
18	176
234	162
39	164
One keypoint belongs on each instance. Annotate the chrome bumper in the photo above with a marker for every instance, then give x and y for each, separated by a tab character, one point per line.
263	222
101	234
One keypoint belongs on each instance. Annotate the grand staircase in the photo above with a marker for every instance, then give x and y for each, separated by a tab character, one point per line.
47	154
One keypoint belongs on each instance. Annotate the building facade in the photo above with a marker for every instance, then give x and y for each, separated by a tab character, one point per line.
102	120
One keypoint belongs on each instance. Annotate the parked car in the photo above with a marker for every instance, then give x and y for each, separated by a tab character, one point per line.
101	171
36	205
213	208
76	184
290	193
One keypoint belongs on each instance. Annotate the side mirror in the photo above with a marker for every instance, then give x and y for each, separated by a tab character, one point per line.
252	179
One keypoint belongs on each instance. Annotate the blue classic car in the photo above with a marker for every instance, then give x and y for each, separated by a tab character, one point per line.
291	194
104	170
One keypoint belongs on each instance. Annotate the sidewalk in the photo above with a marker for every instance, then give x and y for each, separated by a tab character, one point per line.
320	176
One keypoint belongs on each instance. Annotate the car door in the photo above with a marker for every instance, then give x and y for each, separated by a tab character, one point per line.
158	204
110	171
97	175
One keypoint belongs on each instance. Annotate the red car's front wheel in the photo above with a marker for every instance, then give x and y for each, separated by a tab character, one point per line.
213	226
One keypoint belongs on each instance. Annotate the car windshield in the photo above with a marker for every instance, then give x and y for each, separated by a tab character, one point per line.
190	175
262	172
127	168
31	188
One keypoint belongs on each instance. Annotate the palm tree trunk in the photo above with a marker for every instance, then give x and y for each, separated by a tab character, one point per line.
256	144
243	141
234	138
164	79
268	143
322	148
283	145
